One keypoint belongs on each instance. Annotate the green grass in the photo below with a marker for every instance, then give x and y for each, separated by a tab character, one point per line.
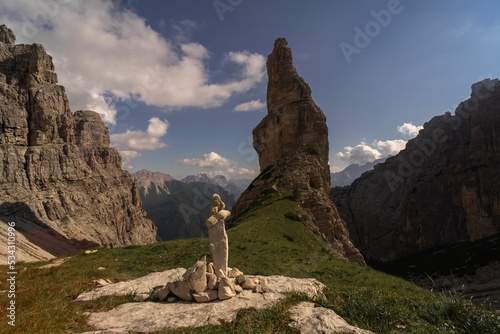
266	242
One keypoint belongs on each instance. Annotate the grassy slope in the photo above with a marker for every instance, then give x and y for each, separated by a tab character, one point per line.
263	242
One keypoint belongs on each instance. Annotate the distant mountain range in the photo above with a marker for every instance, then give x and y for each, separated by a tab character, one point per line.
179	208
351	173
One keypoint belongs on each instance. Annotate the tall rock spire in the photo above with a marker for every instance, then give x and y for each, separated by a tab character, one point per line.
292	144
293	118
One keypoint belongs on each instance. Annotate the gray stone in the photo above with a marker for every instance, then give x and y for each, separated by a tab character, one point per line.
309	318
211	281
181	290
7	35
197	279
240	279
210	268
249	284
217	238
234	273
205	296
163	293
226	288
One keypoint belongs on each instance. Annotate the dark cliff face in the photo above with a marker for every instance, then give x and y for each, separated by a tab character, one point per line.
444	187
292	144
56	167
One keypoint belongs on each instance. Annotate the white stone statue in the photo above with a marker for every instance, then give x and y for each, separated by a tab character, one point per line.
217	236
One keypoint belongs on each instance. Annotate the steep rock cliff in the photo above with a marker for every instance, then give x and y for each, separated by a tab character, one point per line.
444	187
60	180
292	145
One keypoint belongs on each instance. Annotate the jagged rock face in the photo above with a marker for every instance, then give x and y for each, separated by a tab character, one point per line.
292	143
7	35
57	169
293	118
442	188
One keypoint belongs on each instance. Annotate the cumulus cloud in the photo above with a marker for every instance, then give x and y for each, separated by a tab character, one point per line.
364	153
209	160
409	130
241	172
106	55
219	165
250	106
389	147
359	154
234	172
130	142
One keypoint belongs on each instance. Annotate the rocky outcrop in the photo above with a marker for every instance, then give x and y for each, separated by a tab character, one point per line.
58	172
441	189
292	144
154	317
293	118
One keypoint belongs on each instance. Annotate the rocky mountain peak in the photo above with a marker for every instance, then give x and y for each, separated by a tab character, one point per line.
60	181
292	144
7	35
293	118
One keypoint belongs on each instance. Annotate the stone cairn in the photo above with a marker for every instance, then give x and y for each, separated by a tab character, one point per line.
204	281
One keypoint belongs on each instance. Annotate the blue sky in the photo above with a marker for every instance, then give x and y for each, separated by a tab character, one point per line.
181	84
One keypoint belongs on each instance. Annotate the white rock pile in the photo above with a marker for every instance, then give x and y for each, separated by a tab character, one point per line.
200	283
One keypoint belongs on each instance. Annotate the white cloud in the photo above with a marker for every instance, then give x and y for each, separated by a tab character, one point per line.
209	160
409	130
241	172
250	106
364	153
234	172
359	154
335	169
389	147
130	142
105	54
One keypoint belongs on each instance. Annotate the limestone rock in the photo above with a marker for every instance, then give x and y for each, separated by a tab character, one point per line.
234	273
293	118
292	144
206	296
57	170
163	293
441	189
248	284
181	290
197	279
7	35
226	288
211	280
90	130
309	318
217	237
131	317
